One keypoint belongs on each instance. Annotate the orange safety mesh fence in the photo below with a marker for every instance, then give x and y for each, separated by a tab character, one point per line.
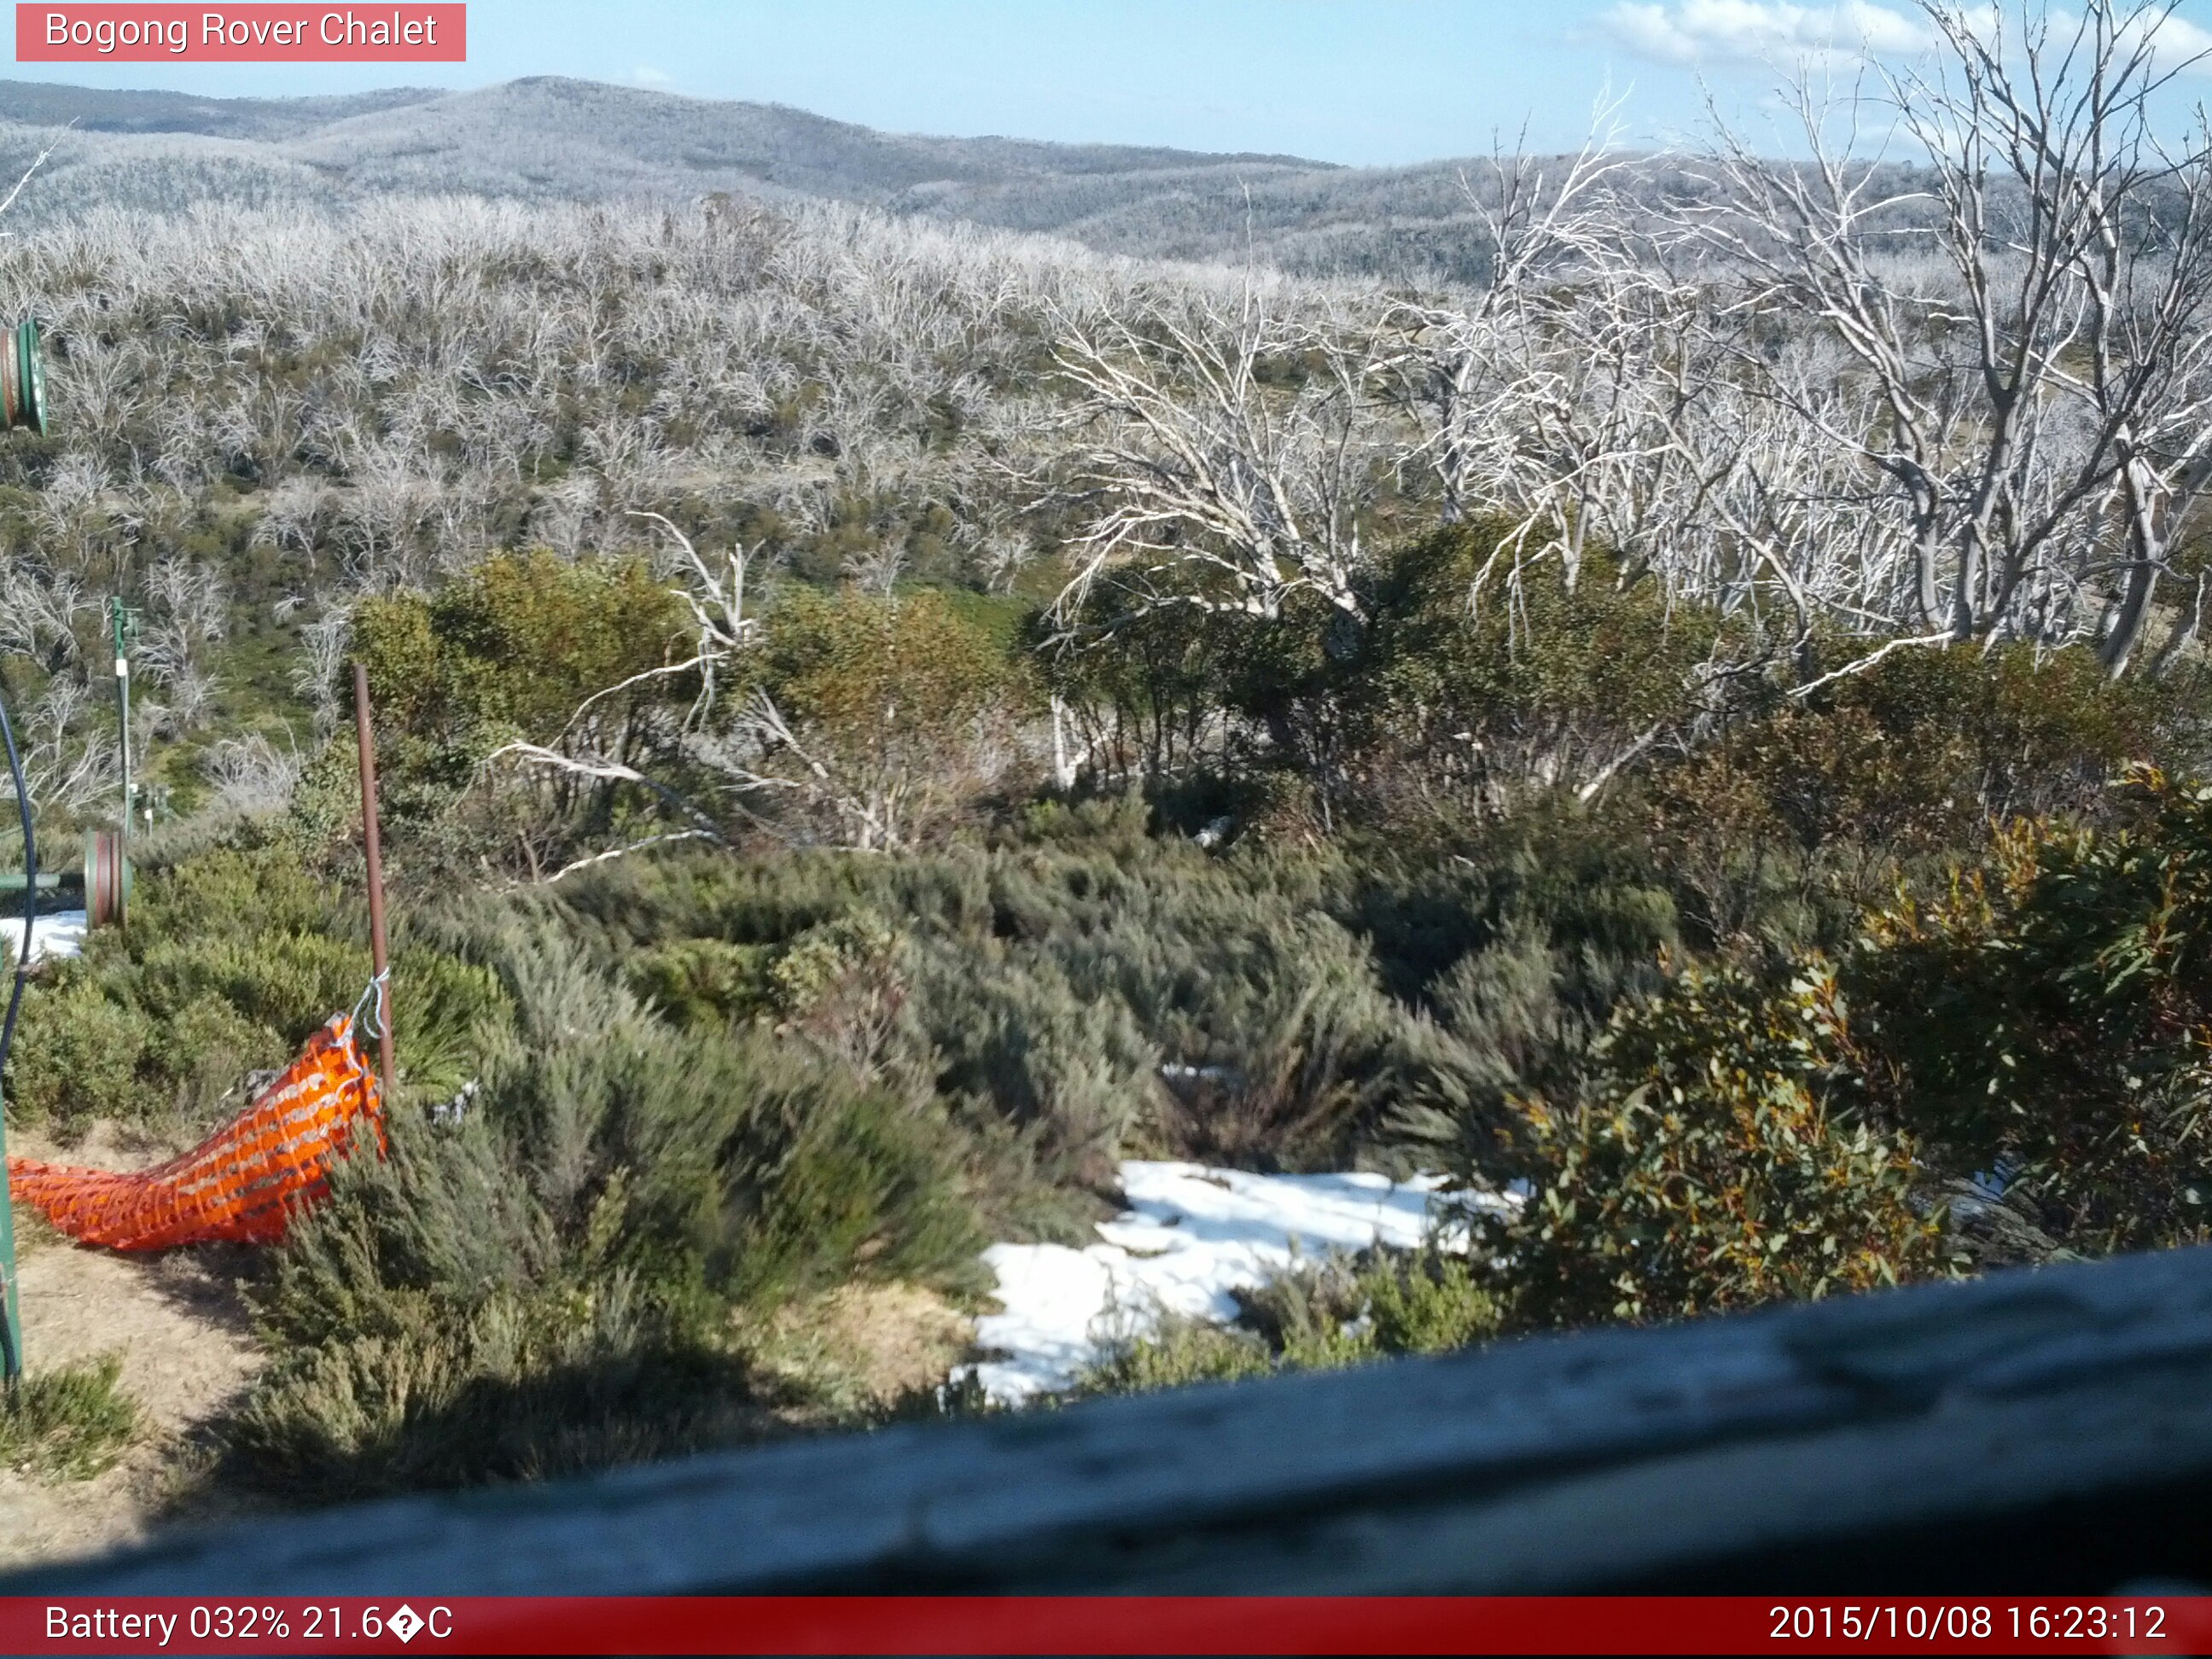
240	1185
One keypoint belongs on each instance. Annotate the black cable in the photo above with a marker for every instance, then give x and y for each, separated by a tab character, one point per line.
30	886
10	1359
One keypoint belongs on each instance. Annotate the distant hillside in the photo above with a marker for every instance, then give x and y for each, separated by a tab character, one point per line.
98	109
550	138
548	135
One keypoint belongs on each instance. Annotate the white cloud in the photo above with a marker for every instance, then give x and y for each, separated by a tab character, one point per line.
1761	31
646	75
2181	42
1783	31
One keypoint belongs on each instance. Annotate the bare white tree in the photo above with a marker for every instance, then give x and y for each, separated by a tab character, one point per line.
251	775
1224	456
1473	377
2024	305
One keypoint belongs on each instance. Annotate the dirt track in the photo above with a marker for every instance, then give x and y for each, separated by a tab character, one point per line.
187	1351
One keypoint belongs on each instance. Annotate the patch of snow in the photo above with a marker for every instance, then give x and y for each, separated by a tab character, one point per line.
1215	833
60	934
1191	1235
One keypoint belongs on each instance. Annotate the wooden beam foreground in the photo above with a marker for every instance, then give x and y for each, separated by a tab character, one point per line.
2040	1432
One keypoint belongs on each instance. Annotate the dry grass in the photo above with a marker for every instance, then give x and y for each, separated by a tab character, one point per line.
858	1349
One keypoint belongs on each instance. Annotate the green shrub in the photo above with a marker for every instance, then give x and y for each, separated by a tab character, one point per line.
289	981
68	1423
1313	1316
1178	1353
864	1187
2046	1019
233	958
1143	696
1345	1310
840	985
899	708
703	981
581	656
515	1389
1711	1159
77	1054
205	1051
1013	1042
1463	689
1904	761
1519	958
1491	691
1044	987
519	643
547	1284
1041	987
1431	1303
446	1014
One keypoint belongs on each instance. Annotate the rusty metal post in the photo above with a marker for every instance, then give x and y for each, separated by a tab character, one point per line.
380	949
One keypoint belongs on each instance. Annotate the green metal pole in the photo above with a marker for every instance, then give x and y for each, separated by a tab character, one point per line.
46	881
123	630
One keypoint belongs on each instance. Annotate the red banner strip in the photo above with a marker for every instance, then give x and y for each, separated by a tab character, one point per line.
261	33
1103	1624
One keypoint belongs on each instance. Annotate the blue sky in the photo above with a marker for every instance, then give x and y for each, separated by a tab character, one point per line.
1367	81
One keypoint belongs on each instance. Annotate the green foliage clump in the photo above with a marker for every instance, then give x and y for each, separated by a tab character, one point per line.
70	1423
1906	760
873	673
76	1056
858	1185
233	958
1040	991
2049	1020
1344	1310
840	984
1147	696
1083	990
1177	1354
1431	1304
2040	1022
1314	1316
511	648
894	703
513	1389
1711	1158
699	982
524	647
1495	686
1456	690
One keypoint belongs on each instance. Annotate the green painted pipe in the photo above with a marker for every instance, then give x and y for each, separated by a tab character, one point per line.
103	886
69	881
23	379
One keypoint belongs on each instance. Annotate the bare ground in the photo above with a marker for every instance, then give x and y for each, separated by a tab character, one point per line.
187	1351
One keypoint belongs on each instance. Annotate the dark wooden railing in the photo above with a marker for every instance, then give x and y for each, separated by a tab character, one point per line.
2039	1433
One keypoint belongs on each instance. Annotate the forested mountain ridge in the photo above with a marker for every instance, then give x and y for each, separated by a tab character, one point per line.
105	109
548	138
772	127
550	134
